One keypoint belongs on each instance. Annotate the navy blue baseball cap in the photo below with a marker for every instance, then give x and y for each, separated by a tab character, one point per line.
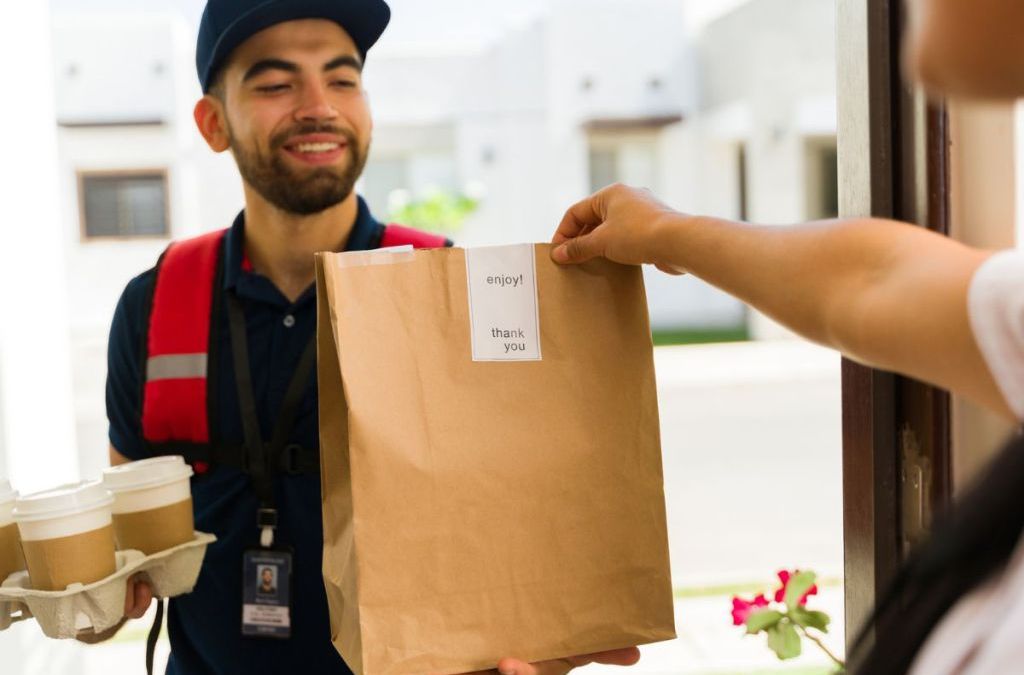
228	23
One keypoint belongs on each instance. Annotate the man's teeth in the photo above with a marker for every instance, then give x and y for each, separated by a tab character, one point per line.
317	147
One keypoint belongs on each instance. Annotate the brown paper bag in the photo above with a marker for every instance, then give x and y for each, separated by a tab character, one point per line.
478	509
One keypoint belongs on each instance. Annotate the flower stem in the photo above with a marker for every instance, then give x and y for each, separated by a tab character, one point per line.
822	646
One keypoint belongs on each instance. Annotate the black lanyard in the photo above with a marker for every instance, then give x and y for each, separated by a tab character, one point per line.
263	458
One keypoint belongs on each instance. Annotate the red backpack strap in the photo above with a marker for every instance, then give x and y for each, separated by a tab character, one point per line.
399	235
174	401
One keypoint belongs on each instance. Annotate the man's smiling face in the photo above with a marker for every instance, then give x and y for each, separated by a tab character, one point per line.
295	114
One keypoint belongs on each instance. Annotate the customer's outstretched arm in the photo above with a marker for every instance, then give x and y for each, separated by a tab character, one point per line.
884	293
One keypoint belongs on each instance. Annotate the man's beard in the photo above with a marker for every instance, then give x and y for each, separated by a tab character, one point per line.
300	193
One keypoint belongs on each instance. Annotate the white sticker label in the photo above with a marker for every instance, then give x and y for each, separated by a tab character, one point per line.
266	615
377	256
503	303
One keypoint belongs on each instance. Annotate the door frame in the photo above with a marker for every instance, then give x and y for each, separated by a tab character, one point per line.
893	163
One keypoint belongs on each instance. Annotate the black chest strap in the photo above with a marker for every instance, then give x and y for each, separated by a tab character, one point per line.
293	459
262	458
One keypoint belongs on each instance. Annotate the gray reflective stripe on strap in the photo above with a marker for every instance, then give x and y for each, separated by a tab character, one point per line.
175	367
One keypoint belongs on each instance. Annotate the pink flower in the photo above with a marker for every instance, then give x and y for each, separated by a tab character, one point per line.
784	577
741	609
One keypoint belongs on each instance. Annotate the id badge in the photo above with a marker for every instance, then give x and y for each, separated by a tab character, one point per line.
266	593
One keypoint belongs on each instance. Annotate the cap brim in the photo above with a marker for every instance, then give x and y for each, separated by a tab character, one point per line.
364	21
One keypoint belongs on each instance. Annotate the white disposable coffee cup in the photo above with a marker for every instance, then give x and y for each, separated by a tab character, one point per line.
67	535
152	508
11	560
7	497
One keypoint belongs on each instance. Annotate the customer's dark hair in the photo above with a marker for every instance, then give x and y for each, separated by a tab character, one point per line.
972	541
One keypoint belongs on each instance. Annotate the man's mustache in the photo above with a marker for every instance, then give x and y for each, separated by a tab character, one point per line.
282	139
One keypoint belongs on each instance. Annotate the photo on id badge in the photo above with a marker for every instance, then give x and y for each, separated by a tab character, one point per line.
266	596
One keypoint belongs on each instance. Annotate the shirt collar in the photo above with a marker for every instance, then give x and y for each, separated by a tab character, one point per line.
364	236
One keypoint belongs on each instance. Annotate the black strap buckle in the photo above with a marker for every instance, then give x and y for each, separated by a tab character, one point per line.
291	462
266	518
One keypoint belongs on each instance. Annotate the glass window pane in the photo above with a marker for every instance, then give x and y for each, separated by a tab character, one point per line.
101	208
125	206
603	168
381	178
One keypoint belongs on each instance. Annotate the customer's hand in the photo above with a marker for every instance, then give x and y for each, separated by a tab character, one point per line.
621	223
615	657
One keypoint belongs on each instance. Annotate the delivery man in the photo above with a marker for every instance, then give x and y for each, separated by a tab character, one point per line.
211	352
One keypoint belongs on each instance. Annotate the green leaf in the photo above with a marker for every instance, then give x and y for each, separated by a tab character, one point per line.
810	619
784	640
799	584
437	211
762	619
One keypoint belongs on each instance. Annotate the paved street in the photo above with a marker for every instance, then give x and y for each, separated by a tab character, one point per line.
752	455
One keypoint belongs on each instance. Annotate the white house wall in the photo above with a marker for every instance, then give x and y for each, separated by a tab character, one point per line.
152	95
784	75
770	89
629	53
38	438
89	52
504	140
505	122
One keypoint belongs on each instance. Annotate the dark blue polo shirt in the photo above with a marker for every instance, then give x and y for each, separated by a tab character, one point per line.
205	626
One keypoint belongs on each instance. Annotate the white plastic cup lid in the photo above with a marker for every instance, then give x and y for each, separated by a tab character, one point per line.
7	494
65	500
146	473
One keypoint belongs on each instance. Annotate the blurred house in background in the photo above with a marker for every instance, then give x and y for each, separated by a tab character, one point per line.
501	132
133	173
596	92
585	94
766	120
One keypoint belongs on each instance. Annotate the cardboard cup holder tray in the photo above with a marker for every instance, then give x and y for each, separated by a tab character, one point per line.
100	605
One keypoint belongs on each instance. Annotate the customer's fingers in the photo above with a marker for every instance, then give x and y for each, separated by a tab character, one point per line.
580	218
579	249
